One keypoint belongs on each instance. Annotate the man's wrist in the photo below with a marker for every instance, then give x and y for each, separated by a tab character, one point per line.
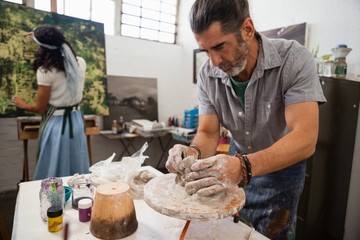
197	149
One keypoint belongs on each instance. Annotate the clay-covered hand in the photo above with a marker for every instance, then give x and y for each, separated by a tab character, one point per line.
184	168
213	175
177	154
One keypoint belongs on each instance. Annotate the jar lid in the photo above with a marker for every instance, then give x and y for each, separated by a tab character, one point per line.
341	46
54	211
85	203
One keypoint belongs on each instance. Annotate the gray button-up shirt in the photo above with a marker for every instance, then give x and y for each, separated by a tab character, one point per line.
285	74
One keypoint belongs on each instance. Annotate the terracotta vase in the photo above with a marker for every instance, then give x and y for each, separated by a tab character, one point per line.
113	213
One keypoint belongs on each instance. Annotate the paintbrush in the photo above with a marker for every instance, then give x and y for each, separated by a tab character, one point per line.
66	231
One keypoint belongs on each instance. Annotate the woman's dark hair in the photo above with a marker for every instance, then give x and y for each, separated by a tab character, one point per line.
50	58
229	13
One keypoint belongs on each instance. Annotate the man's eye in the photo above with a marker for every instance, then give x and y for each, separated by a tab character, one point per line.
220	46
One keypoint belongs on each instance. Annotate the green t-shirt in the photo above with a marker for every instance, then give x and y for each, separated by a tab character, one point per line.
239	88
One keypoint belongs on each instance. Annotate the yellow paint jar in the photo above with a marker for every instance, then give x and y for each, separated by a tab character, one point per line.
55	218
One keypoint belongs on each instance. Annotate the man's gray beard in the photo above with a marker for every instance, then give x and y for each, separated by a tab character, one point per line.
241	62
236	71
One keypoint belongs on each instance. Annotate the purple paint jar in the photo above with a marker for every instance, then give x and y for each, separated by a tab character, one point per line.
85	209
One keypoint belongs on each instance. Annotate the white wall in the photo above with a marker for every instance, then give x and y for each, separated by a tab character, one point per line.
170	64
330	22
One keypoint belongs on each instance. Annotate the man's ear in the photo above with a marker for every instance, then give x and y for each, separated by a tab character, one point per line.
247	29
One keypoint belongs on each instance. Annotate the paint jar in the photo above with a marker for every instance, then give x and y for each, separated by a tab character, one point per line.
84	206
55	218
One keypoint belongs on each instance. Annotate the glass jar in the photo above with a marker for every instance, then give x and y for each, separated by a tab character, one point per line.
340	67
328	68
51	194
82	189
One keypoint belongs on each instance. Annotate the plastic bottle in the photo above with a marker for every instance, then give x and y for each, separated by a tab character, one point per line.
121	123
114	127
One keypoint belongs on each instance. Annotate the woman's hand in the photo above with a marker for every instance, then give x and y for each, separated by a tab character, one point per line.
18	102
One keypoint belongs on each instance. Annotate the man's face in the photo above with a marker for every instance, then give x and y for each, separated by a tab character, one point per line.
228	52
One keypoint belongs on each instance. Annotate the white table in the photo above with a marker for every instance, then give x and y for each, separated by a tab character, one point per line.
152	225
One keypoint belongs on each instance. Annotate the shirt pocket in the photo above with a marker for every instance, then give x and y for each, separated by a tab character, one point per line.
272	117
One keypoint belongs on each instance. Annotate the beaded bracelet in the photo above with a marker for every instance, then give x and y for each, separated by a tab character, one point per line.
248	168
243	182
197	149
245	170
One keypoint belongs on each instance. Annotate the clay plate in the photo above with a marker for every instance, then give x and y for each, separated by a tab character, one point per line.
168	198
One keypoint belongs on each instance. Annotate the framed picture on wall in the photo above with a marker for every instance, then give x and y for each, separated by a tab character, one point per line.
131	98
199	58
293	32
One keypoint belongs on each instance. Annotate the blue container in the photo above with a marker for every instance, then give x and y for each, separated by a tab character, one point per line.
191	118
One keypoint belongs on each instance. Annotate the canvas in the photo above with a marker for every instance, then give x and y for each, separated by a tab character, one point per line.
17	53
131	98
293	32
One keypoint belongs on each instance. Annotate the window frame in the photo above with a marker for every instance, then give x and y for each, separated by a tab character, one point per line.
118	13
120	23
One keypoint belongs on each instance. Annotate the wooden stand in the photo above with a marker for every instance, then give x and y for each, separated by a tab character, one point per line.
28	128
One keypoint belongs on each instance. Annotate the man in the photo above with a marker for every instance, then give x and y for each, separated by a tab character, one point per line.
266	93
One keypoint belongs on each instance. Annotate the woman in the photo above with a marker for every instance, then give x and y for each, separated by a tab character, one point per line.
62	147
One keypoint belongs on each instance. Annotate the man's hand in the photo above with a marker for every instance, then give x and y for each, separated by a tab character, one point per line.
174	163
212	175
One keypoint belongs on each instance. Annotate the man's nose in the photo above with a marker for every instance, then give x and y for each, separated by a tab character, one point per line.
215	58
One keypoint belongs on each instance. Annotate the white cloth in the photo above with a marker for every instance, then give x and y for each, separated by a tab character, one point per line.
152	225
60	95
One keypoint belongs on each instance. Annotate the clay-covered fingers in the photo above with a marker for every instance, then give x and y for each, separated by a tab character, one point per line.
203	164
176	155
184	168
210	191
194	186
202	168
186	163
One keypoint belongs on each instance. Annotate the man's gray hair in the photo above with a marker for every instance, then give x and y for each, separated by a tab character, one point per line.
229	13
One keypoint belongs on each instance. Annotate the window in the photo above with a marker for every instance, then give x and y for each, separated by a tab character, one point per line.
94	10
149	19
154	20
15	1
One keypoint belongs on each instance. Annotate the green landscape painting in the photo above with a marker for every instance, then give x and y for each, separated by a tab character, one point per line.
17	53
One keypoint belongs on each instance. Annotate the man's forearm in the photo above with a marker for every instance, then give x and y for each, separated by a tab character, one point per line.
206	143
285	152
